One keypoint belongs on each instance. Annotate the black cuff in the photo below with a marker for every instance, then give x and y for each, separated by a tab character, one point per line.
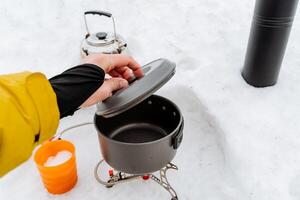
74	86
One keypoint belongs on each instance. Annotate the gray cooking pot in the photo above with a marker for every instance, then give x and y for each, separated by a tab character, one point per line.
143	139
140	134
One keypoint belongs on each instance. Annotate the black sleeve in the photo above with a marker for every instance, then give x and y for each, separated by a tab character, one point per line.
74	86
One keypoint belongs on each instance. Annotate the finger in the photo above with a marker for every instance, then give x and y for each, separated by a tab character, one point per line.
116	84
135	67
120	60
114	73
125	72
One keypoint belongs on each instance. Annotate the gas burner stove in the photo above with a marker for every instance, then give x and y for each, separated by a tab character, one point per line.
116	177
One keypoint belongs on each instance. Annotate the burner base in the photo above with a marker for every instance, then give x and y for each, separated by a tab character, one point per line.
120	177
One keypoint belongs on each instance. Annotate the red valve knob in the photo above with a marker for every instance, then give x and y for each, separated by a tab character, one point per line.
111	172
146	177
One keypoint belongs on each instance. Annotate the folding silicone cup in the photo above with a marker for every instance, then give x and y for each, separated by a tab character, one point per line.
60	178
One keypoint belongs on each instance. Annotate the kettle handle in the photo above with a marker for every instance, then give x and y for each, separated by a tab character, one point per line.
97	12
100	13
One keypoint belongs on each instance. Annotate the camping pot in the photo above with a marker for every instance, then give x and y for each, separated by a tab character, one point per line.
102	42
139	133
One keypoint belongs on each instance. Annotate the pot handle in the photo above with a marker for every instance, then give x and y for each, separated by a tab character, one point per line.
177	139
58	136
100	13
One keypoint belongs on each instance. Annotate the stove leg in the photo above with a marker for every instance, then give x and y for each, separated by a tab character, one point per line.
163	181
108	183
120	177
114	179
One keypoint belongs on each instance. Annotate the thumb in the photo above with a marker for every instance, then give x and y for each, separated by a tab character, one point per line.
116	83
105	91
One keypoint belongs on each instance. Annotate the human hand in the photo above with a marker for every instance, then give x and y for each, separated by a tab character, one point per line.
116	65
120	67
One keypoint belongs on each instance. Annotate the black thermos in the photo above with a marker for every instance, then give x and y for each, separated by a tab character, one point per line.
271	26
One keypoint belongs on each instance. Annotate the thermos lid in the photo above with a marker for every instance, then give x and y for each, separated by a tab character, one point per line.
156	74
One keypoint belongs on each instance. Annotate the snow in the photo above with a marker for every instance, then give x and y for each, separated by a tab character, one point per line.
60	158
239	142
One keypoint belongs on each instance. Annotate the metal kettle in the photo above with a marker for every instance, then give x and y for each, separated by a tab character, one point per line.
102	42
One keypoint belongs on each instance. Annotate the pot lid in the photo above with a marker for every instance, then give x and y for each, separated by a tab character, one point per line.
156	74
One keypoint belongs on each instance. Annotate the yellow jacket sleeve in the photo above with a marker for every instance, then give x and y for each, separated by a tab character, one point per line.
28	115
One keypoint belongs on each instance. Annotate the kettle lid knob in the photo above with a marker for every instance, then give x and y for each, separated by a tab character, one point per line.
101	35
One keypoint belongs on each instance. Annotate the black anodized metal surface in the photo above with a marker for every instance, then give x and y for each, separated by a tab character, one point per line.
271	26
143	139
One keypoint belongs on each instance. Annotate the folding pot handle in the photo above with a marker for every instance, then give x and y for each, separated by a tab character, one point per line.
177	139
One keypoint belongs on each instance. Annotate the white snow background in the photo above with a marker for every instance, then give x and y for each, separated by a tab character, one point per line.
239	142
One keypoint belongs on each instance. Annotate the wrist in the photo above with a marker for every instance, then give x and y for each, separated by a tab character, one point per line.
101	61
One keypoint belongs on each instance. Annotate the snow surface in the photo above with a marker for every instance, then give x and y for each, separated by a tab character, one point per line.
239	142
59	158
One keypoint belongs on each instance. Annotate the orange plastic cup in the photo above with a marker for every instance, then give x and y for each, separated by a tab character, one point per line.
60	178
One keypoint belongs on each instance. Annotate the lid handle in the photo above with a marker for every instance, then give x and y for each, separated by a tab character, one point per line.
100	13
